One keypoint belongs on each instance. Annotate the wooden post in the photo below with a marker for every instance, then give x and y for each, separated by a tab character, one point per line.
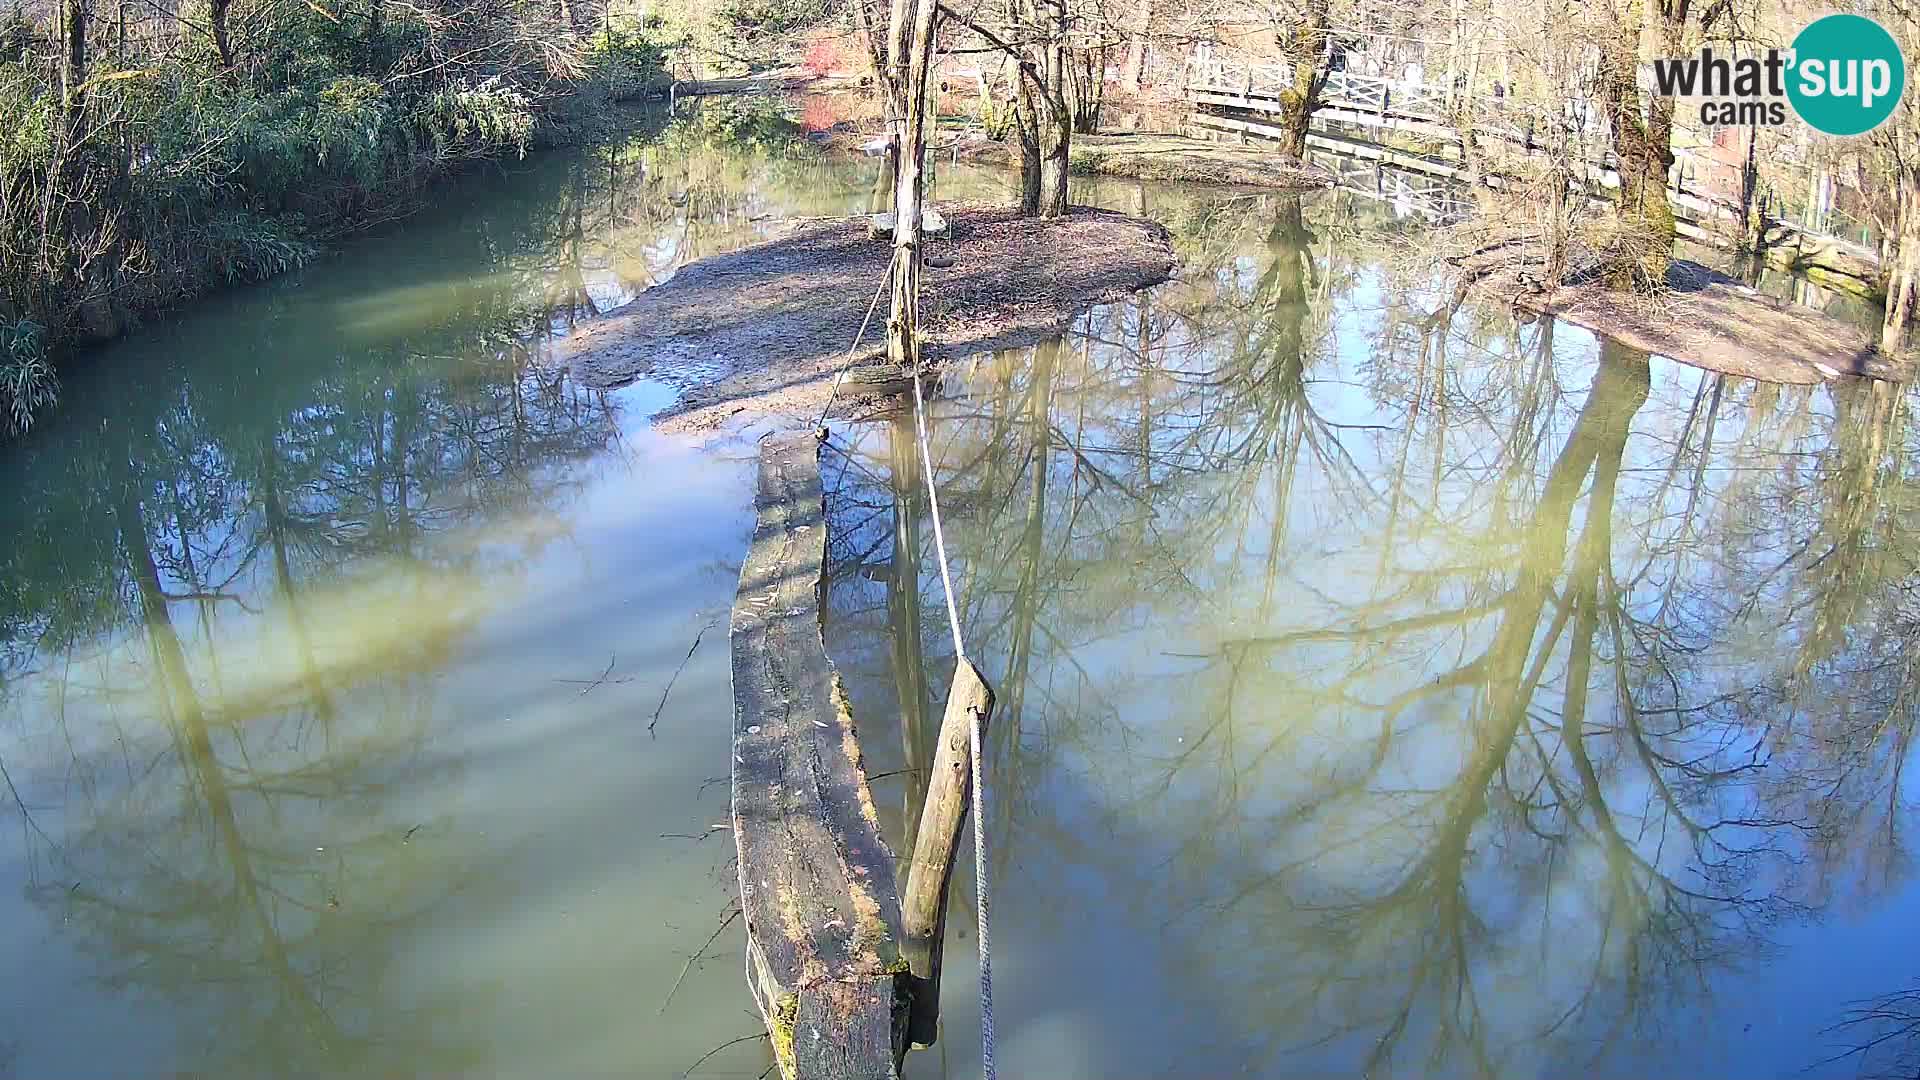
923	909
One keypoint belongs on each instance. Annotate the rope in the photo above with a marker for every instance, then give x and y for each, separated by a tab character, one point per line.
979	756
933	502
960	657
820	424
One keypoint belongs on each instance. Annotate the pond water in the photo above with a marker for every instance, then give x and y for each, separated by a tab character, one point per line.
1383	690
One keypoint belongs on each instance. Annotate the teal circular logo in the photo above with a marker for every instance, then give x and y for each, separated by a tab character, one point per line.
1847	74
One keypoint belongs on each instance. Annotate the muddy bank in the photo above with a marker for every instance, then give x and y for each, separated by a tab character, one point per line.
1708	320
762	331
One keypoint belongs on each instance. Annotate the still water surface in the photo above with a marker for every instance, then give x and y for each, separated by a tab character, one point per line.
1383	691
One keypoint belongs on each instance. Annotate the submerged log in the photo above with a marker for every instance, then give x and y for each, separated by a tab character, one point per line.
816	878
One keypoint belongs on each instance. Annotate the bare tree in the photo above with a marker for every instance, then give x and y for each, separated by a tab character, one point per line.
1897	146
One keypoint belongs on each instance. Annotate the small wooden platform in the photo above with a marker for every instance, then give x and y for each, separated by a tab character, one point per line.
817	884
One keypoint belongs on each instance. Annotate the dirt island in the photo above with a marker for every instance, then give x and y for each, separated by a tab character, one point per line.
765	330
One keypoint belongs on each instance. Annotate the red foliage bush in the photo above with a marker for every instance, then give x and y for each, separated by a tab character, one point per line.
822	57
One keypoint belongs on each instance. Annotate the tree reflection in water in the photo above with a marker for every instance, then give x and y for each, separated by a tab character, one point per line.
1385	686
1471	704
238	855
225	612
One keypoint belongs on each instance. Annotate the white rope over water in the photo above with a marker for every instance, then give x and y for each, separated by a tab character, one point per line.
979	755
960	657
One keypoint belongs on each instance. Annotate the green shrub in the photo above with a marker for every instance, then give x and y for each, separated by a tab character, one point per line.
178	176
760	31
247	246
628	57
27	381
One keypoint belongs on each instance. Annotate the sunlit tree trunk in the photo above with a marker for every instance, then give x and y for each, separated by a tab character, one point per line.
891	62
1027	126
1056	137
871	45
1136	72
1903	271
1307	52
910	141
1087	81
1643	147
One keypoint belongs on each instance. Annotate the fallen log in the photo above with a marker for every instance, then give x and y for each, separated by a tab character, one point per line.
817	884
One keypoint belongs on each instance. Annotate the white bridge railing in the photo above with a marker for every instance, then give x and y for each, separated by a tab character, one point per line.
1435	111
1372	93
1260	85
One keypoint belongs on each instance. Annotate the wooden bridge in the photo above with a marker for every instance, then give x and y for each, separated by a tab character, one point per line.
1378	102
1358	114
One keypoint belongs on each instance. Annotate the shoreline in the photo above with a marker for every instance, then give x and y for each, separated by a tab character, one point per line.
1170	157
1701	318
393	200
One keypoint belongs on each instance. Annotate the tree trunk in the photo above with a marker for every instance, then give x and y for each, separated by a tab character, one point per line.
1753	220
1136	73
1087	69
1027	123
73	69
1643	145
1056	118
1308	52
1903	273
870	44
1058	141
222	43
1464	119
910	142
894	75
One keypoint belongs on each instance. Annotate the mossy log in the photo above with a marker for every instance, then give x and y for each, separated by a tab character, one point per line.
817	886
